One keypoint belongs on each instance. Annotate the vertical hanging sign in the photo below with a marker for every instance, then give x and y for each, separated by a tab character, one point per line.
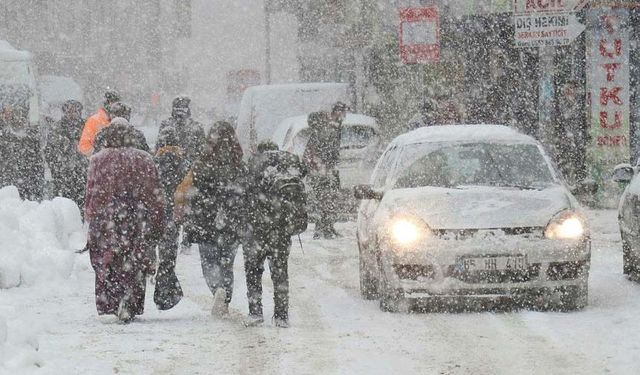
420	35
609	86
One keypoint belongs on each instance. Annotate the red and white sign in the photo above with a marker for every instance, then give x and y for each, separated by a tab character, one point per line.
420	35
609	85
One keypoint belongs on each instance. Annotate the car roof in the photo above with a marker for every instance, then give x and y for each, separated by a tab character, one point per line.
462	134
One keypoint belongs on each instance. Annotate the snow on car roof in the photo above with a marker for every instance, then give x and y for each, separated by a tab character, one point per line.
463	133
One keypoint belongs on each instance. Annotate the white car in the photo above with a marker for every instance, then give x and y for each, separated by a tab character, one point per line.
466	213
359	148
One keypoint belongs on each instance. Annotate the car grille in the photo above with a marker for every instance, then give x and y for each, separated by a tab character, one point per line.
496	277
414	272
463	234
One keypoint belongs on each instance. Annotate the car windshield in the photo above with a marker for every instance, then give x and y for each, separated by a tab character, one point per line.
480	164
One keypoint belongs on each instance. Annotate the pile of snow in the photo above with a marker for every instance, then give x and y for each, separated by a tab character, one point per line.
20	349
37	240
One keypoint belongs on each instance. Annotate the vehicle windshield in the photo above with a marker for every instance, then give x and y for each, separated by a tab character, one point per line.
480	164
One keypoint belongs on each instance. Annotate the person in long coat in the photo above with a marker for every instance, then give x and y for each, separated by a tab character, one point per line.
68	166
217	219
125	208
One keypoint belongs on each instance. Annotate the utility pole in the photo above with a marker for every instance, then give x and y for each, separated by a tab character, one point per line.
267	31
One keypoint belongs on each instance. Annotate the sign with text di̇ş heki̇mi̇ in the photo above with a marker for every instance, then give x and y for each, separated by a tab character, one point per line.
546	29
540	23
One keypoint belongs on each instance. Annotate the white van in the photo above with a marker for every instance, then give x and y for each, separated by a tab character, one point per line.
263	108
18	68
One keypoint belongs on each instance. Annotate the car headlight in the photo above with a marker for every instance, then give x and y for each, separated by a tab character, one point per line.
407	231
567	225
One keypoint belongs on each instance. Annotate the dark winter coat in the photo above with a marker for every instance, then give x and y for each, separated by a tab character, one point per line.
190	135
68	166
219	179
323	148
21	163
125	209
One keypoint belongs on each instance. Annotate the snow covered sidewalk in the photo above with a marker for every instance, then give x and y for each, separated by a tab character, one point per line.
333	331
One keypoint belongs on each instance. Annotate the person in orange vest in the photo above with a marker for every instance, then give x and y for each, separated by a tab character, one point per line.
97	122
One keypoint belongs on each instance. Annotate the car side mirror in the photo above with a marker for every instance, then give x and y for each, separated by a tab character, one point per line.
366	192
623	173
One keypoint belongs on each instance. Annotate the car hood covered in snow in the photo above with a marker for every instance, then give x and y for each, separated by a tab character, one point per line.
477	207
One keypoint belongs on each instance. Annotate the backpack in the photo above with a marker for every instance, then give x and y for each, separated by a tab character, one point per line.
287	197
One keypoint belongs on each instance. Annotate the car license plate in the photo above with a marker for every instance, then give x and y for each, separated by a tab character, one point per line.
494	263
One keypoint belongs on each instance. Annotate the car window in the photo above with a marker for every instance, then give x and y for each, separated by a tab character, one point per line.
480	164
357	136
383	169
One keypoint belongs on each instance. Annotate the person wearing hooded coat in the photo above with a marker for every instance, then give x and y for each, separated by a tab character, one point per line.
216	223
125	208
68	166
267	237
21	162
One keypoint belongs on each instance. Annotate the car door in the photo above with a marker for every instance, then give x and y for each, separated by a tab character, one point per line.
629	213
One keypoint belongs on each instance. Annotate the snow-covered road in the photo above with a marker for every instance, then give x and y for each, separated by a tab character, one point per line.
333	330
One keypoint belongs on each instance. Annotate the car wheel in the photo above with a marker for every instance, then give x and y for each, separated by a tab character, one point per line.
368	282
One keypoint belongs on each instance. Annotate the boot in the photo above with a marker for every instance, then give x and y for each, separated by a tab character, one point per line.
220	306
253	320
281	322
124	313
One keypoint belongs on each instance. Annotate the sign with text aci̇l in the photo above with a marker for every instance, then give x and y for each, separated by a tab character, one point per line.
420	35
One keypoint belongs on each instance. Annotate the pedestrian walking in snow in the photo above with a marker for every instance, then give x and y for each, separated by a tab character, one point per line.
97	122
191	137
68	166
21	162
216	223
277	201
322	155
172	169
125	208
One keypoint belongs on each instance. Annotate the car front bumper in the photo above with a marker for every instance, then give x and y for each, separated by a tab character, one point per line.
436	269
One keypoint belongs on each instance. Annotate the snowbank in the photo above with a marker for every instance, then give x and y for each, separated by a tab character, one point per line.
37	240
19	349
